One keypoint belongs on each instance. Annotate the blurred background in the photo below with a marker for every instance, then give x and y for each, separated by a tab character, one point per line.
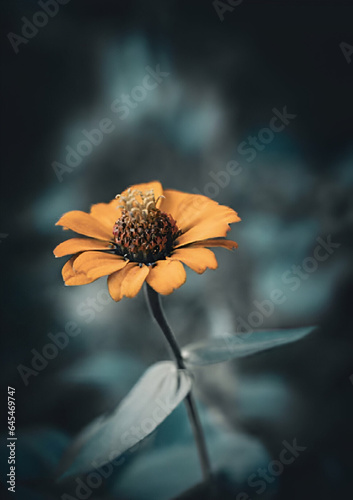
249	103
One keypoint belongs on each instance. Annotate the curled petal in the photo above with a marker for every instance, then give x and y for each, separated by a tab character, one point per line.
198	259
166	276
85	224
97	264
73	278
75	245
128	281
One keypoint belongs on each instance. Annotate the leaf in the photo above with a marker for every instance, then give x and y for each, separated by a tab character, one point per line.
158	392
235	346
167	470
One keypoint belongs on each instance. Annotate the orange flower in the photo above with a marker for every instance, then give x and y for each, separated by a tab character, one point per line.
146	234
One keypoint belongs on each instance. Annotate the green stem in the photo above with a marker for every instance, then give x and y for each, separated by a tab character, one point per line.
153	300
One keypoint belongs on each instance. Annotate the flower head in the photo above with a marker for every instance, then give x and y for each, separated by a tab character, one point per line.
145	234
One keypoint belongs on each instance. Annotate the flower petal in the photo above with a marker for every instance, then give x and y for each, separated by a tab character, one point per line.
128	281
67	270
147	186
75	245
214	242
84	223
166	276
197	216
184	206
213	226
97	264
71	277
107	214
198	259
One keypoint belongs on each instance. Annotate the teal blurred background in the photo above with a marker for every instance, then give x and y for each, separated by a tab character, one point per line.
214	86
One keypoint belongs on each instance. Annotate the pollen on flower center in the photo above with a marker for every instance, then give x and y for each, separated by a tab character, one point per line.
143	233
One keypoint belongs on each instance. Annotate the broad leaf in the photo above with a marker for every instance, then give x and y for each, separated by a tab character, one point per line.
235	346
158	392
167	470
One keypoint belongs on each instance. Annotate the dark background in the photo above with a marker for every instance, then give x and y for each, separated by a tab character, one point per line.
225	79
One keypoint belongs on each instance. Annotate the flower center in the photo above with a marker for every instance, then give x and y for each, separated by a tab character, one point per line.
143	233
